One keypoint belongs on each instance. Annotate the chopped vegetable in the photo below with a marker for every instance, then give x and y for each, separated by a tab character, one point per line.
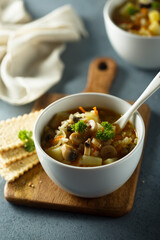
80	127
87	147
25	136
29	145
82	109
155	28
92	116
154	16
107	133
56	139
90	161
55	152
95	143
95	110
144	10
109	160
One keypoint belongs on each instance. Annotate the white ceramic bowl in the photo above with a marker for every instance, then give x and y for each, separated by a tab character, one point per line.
89	181
141	51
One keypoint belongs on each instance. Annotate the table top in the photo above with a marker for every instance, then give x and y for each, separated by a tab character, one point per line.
20	222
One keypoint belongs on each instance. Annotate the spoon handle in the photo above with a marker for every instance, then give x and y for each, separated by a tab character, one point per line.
152	87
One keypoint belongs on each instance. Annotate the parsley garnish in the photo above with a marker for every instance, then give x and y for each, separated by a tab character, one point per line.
107	133
25	136
80	127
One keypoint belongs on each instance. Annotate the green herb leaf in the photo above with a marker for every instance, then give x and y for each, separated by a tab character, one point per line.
107	133
80	127
107	126
25	136
29	145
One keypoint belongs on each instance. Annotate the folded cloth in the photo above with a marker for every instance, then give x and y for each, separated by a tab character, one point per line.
30	52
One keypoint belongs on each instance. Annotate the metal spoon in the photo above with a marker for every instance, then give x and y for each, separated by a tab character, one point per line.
152	87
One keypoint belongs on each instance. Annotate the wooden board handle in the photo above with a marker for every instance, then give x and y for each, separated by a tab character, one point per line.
100	75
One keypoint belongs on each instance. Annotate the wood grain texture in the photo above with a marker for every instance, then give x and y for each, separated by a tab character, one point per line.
101	73
35	188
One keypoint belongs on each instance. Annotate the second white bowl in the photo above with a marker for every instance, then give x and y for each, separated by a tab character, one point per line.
141	51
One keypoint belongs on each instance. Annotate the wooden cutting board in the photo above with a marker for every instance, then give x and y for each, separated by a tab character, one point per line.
35	188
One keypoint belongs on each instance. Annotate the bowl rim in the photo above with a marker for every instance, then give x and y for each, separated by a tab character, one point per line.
107	16
37	144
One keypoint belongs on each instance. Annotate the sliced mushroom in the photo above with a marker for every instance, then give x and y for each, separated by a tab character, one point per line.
76	138
69	129
76	119
69	153
92	126
87	147
145	3
80	148
108	151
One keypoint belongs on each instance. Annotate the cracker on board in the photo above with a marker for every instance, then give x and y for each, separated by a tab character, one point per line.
12	155
10	128
18	168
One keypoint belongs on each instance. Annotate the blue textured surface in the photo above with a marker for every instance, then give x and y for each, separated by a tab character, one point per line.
18	222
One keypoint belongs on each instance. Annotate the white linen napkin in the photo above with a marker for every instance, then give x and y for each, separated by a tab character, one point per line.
30	52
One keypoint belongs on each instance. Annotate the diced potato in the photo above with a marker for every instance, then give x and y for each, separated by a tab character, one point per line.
154	27
154	16
92	116
91	161
55	153
109	160
143	22
144	32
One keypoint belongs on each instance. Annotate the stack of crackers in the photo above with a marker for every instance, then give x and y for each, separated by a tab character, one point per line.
14	159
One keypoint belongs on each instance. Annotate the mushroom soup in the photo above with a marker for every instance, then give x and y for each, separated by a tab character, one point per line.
87	137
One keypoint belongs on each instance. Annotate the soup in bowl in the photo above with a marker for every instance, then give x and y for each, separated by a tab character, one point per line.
140	17
134	37
80	147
